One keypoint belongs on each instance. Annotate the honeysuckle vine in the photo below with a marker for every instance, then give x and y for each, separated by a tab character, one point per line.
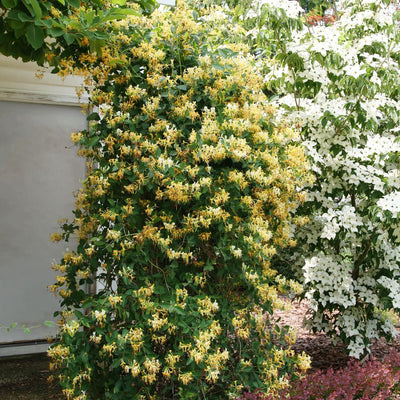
191	188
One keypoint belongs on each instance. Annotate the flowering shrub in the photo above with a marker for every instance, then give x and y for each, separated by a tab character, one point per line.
189	192
339	84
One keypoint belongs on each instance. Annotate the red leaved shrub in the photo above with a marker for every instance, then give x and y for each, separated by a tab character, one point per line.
370	380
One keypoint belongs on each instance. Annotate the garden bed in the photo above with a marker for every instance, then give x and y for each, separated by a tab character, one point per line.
25	378
319	346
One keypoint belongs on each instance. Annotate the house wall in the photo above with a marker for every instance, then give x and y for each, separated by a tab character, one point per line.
39	170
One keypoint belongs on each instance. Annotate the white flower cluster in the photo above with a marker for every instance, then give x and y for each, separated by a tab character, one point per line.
291	8
391	202
333	279
394	289
343	95
335	220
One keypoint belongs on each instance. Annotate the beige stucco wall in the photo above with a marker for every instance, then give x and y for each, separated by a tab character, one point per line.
39	171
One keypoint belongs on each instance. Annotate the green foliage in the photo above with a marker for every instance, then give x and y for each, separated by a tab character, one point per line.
319	6
25	328
25	25
188	197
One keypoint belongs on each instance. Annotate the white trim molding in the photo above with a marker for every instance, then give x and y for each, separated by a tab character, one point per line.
18	82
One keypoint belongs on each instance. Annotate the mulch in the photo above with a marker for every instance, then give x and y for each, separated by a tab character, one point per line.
25	378
319	347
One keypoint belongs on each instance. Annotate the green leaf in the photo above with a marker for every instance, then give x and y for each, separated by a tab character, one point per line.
218	66
116	363
93	117
48	23
35	36
225	52
27	330
148	5
122	12
19	16
49	324
295	61
18	27
100	35
208	266
88	303
118	13
69	38
56	32
62	2
36	8
93	141
119	2
89	16
9	3
74	24
74	3
98	45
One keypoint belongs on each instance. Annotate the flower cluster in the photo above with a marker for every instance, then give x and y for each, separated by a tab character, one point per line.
190	191
338	84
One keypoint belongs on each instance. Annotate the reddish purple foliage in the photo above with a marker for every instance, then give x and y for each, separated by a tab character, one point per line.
257	395
371	380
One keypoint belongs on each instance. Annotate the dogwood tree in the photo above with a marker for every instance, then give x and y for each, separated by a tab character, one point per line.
339	84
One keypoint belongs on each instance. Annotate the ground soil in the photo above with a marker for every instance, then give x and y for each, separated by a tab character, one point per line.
319	347
25	378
